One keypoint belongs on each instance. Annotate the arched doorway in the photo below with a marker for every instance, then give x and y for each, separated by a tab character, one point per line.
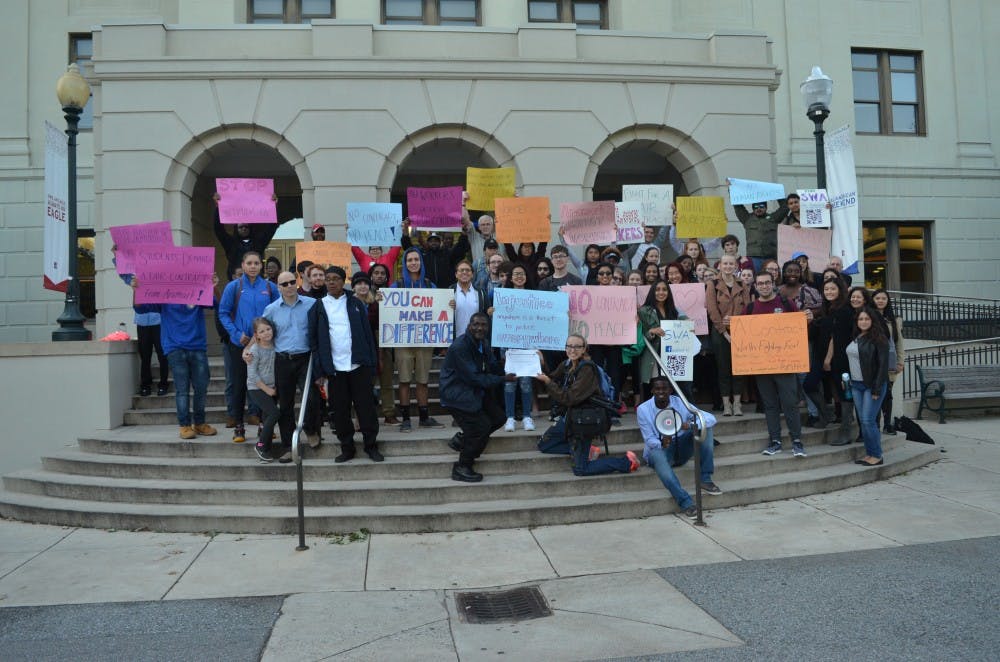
639	162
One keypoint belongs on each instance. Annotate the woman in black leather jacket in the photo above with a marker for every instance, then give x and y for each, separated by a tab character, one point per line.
868	361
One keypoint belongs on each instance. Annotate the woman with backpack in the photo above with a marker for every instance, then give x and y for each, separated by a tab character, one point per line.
571	385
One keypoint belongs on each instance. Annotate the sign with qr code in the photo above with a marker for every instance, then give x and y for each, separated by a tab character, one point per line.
678	347
812	208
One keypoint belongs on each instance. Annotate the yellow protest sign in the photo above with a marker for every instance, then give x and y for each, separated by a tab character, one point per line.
768	344
484	185
703	216
523	219
326	253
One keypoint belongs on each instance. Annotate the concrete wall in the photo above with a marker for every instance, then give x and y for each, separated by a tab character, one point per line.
58	391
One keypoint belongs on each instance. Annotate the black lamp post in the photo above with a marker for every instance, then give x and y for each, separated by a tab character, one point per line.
73	93
817	91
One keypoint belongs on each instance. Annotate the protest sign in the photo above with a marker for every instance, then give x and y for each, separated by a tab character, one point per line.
244	200
842	187
656	199
747	191
522	362
126	236
55	244
325	253
416	317
689	298
641	292
700	217
374	223
588	222
530	319
628	222
814	243
775	343
484	185
434	208
172	274
603	315
523	219
812	208
678	347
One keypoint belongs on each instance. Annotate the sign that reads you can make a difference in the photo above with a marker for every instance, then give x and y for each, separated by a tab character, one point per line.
415	317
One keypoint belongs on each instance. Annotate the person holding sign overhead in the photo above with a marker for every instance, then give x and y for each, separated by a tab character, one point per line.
761	229
248	237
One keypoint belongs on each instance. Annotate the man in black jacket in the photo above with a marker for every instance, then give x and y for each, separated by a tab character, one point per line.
248	238
468	376
344	353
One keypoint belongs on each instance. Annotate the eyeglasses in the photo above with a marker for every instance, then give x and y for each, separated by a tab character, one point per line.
286	283
559	256
574	346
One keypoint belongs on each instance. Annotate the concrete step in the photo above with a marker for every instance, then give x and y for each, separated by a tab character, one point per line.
512	511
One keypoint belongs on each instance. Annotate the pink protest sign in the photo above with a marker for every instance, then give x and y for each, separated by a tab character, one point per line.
434	208
641	292
125	236
814	243
170	274
604	315
246	200
689	298
588	222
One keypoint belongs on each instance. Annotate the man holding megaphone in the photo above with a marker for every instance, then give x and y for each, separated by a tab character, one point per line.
667	428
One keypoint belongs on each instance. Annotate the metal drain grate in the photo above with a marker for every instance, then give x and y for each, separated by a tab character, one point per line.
517	604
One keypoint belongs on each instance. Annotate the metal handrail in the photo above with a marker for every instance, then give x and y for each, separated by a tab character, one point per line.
699	434
306	387
902	293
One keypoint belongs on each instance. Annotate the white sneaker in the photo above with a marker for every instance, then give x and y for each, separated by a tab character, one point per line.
509	425
528	423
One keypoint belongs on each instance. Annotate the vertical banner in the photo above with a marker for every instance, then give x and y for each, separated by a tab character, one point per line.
485	185
374	223
657	201
415	317
523	219
842	187
602	314
812	208
678	347
244	200
434	208
703	216
56	245
530	319
628	222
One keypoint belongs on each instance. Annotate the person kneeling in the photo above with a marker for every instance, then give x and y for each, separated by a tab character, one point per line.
571	385
663	452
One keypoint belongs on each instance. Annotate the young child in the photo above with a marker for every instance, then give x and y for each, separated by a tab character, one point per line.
260	387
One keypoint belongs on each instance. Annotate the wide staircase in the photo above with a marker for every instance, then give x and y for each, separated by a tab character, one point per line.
142	476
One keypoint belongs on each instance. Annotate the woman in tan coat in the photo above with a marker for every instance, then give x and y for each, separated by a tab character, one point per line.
725	297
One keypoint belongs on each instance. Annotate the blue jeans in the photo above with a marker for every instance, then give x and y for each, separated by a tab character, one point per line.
190	368
583	466
868	409
229	384
676	454
509	391
553	441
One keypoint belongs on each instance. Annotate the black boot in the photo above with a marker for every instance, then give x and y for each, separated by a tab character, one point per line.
845	435
465	474
823	419
456	442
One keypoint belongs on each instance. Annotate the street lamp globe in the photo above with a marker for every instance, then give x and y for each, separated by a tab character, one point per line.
72	89
817	92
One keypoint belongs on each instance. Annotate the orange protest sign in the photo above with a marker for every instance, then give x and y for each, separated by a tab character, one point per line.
523	219
326	253
768	344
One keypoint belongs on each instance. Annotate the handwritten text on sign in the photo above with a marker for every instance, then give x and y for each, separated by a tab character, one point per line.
689	298
528	319
700	217
374	223
812	208
678	347
588	222
246	200
603	315
487	184
628	222
748	191
325	253
657	201
125	236
434	208
171	274
775	343
522	219
417	317
814	243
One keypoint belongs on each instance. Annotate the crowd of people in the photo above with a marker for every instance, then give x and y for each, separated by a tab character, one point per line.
275	323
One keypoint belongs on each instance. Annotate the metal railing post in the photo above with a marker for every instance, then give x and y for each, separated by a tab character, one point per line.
296	455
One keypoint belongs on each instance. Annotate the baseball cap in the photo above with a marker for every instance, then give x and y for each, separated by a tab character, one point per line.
318	226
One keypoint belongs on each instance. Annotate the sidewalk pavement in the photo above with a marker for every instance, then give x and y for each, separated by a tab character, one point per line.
375	596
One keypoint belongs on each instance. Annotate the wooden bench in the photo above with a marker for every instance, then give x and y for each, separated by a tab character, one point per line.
958	382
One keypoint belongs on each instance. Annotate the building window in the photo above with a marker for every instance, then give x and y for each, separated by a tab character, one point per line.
897	256
587	14
86	271
288	11
81	50
431	12
888	92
